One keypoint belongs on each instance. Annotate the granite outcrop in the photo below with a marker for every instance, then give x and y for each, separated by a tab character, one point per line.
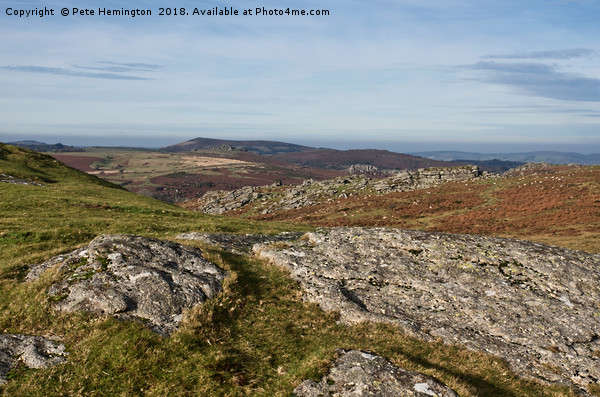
534	305
133	277
274	198
33	351
359	373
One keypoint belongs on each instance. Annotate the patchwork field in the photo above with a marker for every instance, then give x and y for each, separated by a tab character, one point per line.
175	177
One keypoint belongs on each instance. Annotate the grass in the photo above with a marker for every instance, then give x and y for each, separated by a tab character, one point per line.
257	337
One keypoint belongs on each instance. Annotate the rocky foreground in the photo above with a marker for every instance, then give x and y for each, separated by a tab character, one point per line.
33	351
358	373
534	305
133	277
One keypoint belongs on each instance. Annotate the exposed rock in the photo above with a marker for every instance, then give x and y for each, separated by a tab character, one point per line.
358	373
224	148
542	168
424	178
4	178
34	351
271	198
219	201
239	243
133	277
363	169
534	305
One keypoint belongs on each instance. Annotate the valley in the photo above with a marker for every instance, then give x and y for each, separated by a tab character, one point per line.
288	300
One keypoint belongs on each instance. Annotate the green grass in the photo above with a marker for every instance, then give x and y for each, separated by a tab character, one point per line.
255	338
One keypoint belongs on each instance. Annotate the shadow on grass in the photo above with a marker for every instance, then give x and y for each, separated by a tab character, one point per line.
262	324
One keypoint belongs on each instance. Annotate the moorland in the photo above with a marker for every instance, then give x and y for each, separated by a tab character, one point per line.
258	336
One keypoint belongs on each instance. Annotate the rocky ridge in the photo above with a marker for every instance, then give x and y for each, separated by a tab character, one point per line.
273	198
34	351
368	169
358	373
132	277
534	305
4	178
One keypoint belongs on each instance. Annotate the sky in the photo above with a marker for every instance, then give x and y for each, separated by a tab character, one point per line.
403	75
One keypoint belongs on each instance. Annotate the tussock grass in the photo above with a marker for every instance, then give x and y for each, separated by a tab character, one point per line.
256	338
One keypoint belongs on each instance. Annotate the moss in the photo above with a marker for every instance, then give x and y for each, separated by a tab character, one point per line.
103	262
57	298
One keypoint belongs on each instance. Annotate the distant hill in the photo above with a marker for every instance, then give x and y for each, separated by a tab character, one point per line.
526	157
342	159
496	166
260	147
45	147
333	159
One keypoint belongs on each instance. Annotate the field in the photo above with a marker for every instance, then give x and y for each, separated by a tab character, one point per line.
175	177
256	338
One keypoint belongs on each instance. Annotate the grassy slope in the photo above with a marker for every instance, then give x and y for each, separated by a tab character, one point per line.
256	338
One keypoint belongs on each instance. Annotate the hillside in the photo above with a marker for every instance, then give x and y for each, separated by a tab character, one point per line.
183	172
342	159
259	147
63	207
526	157
256	337
179	176
552	204
557	205
45	147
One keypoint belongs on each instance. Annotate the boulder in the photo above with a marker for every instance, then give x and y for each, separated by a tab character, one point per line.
358	373
534	305
133	277
34	351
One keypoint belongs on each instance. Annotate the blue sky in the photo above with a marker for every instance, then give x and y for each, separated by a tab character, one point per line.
401	75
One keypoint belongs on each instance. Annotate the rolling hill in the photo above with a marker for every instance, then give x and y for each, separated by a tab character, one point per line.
527	157
256	337
178	176
259	147
342	159
45	147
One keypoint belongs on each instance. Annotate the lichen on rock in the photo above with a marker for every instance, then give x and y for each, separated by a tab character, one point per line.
534	305
358	373
133	277
34	351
